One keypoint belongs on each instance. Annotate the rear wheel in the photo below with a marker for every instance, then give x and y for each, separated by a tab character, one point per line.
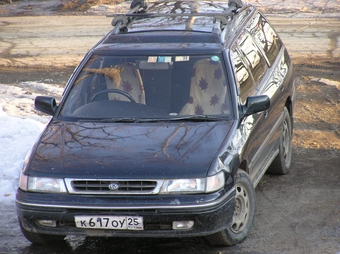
40	238
281	163
243	215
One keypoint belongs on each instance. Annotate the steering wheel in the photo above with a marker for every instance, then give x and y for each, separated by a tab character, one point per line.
114	91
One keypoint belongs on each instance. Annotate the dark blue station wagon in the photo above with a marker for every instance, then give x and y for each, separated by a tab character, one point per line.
164	129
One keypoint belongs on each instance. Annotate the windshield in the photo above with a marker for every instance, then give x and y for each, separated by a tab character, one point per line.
149	87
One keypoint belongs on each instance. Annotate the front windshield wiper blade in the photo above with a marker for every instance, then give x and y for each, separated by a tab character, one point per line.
197	118
111	120
194	118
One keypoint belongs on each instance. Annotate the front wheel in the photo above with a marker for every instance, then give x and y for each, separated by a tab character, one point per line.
243	215
40	238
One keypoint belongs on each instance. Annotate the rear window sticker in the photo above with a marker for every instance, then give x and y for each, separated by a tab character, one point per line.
182	58
152	59
164	59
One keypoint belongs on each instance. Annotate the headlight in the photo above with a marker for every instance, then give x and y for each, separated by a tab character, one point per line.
193	185
42	184
183	186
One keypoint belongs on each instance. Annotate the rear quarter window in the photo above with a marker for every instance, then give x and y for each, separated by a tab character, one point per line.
265	36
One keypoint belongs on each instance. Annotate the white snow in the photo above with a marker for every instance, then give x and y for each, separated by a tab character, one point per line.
20	126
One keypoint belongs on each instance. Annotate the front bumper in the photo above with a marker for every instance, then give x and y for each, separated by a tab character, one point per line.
210	212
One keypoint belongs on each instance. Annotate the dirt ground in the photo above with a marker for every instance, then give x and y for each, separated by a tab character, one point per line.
50	7
317	109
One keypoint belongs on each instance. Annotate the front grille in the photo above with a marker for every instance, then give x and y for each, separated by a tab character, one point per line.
121	185
88	186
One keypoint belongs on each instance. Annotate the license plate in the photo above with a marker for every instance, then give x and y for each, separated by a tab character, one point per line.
109	222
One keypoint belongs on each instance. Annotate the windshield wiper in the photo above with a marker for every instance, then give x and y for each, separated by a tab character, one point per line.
194	118
202	118
111	120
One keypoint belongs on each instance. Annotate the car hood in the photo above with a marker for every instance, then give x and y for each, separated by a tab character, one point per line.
128	150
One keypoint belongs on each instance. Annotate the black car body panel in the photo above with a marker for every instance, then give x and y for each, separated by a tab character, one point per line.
162	150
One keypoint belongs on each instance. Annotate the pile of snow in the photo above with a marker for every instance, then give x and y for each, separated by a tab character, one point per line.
20	126
17	136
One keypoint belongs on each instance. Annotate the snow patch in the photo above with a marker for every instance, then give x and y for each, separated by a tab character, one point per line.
18	132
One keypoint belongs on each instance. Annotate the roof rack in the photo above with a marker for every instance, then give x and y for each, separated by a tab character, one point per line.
138	9
121	21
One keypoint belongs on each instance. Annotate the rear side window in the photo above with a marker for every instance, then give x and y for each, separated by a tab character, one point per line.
252	56
265	37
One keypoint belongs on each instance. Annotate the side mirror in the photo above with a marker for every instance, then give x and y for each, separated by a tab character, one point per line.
256	104
45	104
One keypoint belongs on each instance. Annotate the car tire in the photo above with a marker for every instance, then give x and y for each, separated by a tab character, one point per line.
281	163
40	238
243	215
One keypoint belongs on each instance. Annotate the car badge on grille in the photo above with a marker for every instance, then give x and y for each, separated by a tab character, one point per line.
113	186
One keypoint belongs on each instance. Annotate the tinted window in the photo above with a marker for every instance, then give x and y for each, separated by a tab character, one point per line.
265	37
148	86
244	79
252	55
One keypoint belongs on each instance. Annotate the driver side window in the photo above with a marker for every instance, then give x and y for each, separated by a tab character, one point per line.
244	79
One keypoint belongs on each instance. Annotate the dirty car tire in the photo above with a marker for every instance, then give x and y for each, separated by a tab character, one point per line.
40	238
281	163
243	215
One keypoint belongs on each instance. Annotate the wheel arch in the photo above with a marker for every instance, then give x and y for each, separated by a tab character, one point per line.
244	166
289	106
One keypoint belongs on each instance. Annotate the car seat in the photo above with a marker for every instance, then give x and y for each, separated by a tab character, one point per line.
207	89
127	79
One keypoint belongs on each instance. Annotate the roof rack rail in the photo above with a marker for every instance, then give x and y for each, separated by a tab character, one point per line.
138	9
235	4
120	21
140	3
